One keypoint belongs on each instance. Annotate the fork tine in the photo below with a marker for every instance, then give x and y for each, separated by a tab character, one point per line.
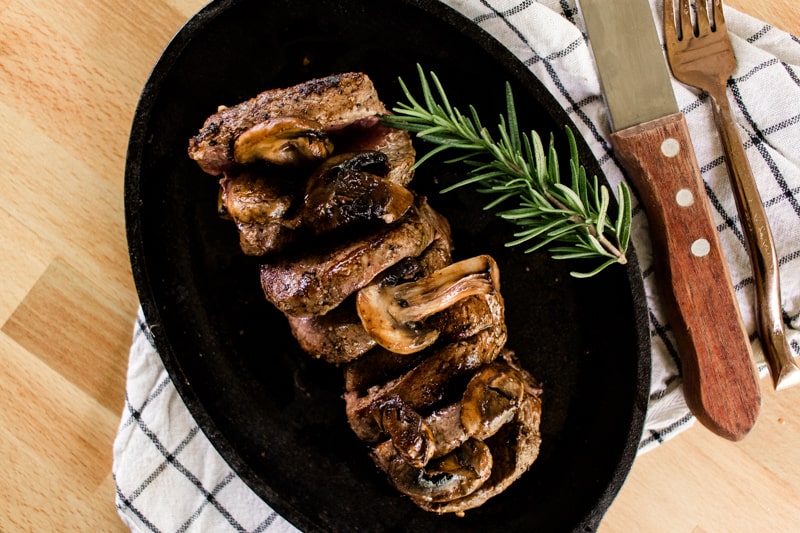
719	17
703	25
670	31
685	19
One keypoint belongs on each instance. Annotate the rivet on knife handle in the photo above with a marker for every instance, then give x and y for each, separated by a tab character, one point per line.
720	381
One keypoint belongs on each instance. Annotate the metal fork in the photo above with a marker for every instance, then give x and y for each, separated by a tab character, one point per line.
701	55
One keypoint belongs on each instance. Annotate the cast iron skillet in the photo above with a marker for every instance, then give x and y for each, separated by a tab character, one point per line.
275	415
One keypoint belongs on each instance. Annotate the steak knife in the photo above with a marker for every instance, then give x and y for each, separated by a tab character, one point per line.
651	140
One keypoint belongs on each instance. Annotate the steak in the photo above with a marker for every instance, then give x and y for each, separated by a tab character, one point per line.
336	337
345	105
339	336
314	282
427	384
361	266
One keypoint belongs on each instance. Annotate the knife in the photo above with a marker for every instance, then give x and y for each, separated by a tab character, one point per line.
651	139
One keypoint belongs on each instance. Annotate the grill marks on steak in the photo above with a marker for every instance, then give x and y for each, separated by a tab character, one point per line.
451	421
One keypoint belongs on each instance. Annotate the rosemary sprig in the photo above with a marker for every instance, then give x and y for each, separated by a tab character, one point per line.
573	220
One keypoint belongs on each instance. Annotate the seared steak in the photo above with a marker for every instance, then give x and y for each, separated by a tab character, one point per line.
427	384
314	282
341	104
339	336
362	268
336	337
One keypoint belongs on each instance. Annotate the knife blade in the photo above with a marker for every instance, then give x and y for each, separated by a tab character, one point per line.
651	140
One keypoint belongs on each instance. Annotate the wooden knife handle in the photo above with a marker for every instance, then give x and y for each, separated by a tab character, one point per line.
720	380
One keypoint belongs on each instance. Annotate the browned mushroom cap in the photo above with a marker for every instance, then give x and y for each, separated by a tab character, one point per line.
285	141
249	197
492	396
394	315
410	436
453	476
259	206
348	188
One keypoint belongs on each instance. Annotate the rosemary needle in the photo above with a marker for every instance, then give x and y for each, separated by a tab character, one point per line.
573	221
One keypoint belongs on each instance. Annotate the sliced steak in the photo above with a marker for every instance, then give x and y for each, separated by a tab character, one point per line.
312	283
336	337
342	103
427	384
339	336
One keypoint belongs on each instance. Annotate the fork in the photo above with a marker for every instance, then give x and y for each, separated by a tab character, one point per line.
700	54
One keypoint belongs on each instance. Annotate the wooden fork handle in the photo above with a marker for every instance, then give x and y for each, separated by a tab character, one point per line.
720	381
784	369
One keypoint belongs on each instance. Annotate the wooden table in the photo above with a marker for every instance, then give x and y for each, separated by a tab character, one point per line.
69	85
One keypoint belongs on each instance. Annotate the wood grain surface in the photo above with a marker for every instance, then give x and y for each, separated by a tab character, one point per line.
70	77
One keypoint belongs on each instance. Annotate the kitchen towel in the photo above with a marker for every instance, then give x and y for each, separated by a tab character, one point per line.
170	478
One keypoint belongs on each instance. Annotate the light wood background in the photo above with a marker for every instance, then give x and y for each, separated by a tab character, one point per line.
70	76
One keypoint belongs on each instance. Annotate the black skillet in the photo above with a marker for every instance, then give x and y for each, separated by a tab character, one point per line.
275	415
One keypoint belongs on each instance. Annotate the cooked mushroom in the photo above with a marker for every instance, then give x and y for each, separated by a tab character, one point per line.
514	448
410	436
259	206
285	141
456	475
348	188
249	197
314	280
492	396
428	383
394	315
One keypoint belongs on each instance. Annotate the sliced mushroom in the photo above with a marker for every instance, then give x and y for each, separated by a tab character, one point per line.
284	141
259	206
426	385
250	197
491	399
514	447
394	315
410	436
446	428
349	188
315	279
456	475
